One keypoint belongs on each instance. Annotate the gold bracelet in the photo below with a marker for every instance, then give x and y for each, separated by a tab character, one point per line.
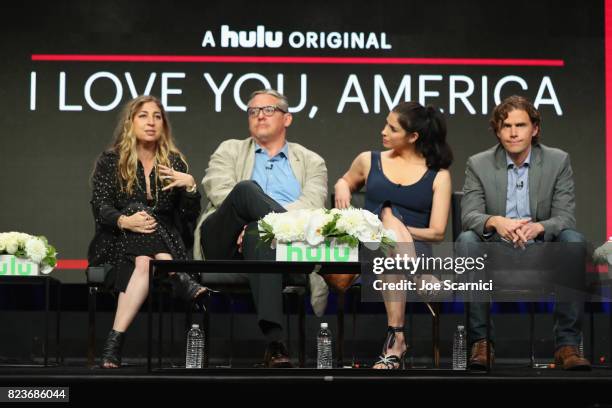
192	188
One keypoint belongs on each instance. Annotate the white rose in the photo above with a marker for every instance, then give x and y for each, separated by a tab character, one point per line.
283	230
314	227
46	269
371	218
271	218
19	238
365	234
290	226
350	221
35	249
23	237
11	245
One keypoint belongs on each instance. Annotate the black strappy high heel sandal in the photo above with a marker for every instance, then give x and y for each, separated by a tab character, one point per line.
112	349
392	362
187	288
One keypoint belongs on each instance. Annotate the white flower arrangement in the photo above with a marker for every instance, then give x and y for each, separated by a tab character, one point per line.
30	248
603	254
347	226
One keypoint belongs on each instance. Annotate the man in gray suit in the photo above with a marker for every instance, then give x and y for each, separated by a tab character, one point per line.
247	179
521	192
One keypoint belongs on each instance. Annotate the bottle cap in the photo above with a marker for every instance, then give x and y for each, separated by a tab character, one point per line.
324	325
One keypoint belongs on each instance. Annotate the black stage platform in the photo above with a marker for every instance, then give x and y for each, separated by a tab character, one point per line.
507	383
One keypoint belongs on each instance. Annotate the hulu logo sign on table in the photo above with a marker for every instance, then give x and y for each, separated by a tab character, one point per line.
326	252
13	266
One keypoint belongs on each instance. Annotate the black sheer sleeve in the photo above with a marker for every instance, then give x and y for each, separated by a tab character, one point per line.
187	207
105	189
188	204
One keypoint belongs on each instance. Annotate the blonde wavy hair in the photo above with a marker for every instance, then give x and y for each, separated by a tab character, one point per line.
125	143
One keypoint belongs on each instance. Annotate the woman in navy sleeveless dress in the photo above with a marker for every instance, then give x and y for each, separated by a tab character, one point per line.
409	187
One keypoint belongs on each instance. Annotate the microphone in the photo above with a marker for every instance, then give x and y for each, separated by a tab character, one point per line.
269	168
519	185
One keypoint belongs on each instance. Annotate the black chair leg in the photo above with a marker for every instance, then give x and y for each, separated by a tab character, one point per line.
187	327
47	302
467	331
91	326
591	333
410	307
609	339
231	356
172	342
340	343
532	362
354	361
286	303
488	338
160	311
434	309
302	328
59	356
206	328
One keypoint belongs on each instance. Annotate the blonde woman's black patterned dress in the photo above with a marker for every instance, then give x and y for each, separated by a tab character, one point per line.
175	211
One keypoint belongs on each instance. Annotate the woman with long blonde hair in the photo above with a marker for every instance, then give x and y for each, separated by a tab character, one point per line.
144	201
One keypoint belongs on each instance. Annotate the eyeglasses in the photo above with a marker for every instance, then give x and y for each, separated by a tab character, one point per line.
267	110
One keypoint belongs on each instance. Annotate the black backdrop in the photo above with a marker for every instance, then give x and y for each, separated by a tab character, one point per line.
47	152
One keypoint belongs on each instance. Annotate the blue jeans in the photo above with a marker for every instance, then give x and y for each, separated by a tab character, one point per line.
567	315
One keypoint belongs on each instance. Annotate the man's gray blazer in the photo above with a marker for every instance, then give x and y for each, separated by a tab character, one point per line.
551	189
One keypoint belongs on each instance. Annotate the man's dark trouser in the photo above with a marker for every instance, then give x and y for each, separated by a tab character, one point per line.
245	205
567	315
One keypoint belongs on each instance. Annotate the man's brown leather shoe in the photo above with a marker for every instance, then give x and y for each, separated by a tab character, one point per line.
478	359
276	356
568	358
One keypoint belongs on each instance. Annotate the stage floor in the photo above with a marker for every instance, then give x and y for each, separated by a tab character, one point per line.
501	372
510	383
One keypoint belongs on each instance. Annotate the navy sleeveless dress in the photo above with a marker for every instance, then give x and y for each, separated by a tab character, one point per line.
410	204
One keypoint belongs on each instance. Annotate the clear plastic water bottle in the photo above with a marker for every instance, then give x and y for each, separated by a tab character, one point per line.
324	348
460	349
194	357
